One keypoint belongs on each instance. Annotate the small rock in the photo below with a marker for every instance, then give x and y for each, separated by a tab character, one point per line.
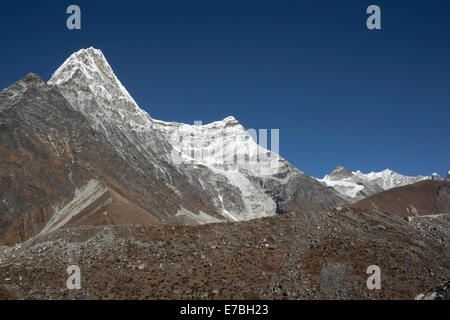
142	266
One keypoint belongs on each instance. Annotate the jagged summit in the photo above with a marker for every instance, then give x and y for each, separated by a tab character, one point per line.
90	62
86	76
89	68
88	82
340	172
87	61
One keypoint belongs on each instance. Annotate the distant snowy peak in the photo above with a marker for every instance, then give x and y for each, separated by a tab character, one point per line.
436	177
358	185
388	179
349	184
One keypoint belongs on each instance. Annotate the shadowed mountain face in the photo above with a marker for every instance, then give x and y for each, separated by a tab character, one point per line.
79	151
418	199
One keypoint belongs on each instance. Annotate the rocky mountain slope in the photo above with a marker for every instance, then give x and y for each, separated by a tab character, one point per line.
83	129
358	185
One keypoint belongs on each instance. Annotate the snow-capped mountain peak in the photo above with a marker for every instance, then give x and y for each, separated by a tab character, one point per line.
388	179
92	88
91	65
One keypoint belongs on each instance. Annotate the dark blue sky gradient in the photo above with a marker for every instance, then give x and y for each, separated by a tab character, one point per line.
339	93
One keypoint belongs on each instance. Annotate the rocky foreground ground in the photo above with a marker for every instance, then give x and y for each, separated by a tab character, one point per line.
292	256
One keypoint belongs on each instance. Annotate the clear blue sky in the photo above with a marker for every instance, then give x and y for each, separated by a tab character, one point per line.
339	93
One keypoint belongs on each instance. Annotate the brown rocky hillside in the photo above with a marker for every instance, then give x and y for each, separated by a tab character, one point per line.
421	198
293	256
